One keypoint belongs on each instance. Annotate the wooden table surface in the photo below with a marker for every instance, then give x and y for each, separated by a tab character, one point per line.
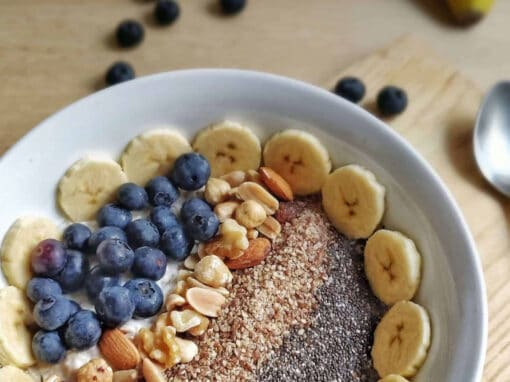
53	52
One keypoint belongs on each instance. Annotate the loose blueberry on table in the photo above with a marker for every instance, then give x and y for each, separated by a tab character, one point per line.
119	72
166	12
391	100
350	88
129	33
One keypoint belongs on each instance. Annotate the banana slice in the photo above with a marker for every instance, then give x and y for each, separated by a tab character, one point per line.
353	201
392	266
401	340
393	378
13	374
15	338
19	241
228	146
300	158
87	185
152	154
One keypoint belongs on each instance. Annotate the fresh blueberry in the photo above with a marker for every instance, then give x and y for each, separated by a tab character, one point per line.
350	88
75	307
48	347
166	11
142	232
129	33
161	191
119	72
82	331
115	256
114	306
52	312
391	100
48	257
191	171
146	295
230	7
175	243
113	215
39	288
132	196
72	277
163	218
199	220
149	263
76	236
104	233
97	280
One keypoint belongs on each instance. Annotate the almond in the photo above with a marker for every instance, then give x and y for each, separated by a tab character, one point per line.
151	372
276	184
118	350
257	251
205	301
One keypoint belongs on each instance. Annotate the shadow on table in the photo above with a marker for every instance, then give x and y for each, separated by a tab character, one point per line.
437	9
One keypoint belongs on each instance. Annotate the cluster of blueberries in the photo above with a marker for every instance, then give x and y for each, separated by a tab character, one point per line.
120	245
130	33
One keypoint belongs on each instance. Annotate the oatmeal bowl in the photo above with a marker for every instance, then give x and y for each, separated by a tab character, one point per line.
225	225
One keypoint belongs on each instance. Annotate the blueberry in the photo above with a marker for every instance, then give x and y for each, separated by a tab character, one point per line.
146	295
175	243
48	347
149	263
232	6
114	306
52	312
166	11
113	215
142	232
132	196
72	277
191	171
115	256
39	288
76	236
163	218
48	257
199	220
83	330
161	191
391	100
75	307
104	233
97	280
129	33
350	88
119	72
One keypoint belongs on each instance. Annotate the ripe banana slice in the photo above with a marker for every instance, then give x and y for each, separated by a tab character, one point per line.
13	374
87	185
401	340
15	338
152	154
228	146
353	201
392	266
19	241
393	378
300	158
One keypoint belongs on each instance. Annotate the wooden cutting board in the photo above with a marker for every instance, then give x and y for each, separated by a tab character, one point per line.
439	123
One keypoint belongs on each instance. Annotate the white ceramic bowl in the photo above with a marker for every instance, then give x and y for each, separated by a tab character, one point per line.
418	203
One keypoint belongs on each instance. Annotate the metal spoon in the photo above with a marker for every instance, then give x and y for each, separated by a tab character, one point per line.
492	137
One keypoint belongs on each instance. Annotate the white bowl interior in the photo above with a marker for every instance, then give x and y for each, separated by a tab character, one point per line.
417	204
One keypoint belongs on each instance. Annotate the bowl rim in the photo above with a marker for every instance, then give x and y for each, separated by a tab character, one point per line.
377	127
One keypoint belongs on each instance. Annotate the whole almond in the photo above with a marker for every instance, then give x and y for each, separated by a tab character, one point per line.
257	251
254	191
151	372
276	184
118	350
125	376
205	301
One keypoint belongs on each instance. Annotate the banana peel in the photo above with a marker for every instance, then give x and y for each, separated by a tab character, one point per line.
469	11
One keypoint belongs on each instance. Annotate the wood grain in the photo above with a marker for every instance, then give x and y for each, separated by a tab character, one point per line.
439	123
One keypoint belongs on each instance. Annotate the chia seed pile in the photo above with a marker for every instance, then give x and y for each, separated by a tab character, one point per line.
305	314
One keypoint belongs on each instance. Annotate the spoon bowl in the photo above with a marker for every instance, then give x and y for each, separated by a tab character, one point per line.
491	137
